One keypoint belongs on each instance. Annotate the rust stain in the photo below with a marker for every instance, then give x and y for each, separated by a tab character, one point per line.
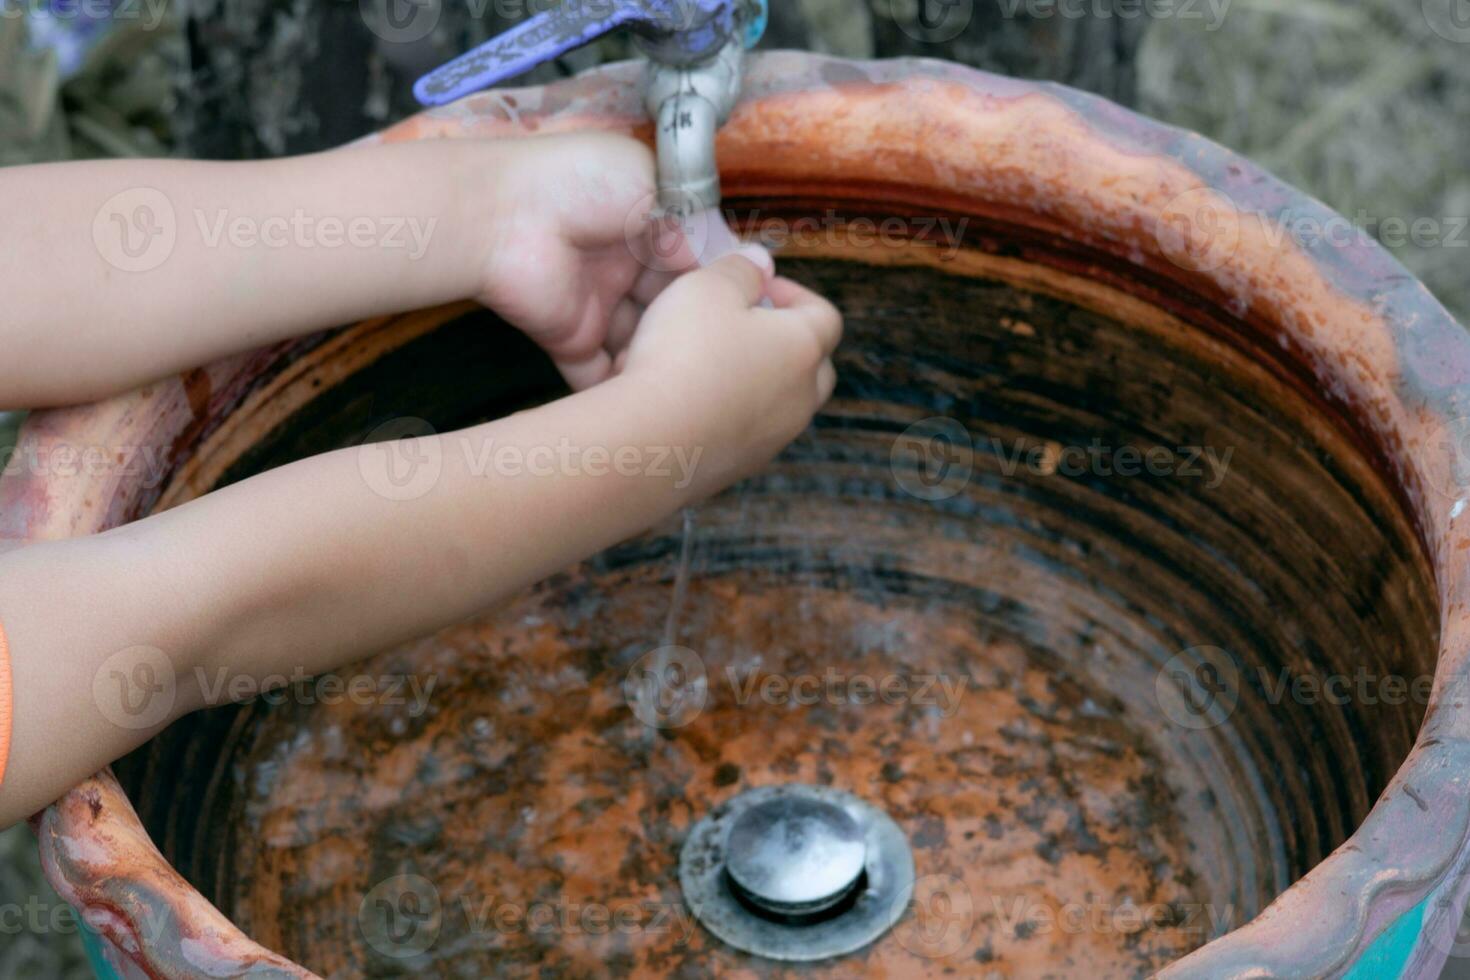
198	389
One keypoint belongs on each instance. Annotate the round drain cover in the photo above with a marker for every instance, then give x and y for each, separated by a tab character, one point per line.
796	872
795	856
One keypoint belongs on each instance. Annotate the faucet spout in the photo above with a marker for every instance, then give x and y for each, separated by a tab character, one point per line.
688	180
688	105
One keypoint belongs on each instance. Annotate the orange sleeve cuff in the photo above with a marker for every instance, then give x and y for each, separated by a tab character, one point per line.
5	703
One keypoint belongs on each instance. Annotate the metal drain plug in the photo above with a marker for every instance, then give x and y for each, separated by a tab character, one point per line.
796	872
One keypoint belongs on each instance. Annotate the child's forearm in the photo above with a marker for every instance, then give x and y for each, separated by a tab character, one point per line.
308	567
120	272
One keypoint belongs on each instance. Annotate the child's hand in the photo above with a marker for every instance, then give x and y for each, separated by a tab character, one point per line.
747	378
573	259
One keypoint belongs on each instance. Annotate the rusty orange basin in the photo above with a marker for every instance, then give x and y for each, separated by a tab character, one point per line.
1124	571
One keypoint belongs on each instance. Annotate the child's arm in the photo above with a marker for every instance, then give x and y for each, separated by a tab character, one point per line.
308	567
120	272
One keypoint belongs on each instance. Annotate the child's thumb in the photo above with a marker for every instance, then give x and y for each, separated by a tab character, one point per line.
749	269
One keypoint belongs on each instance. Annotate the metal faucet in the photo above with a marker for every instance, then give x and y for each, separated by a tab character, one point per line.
695	52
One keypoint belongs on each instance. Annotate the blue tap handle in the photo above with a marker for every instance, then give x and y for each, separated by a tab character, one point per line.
677	31
543	37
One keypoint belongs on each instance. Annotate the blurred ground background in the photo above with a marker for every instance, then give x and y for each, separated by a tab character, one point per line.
1363	103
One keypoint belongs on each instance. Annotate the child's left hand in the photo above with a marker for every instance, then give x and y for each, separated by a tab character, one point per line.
573	257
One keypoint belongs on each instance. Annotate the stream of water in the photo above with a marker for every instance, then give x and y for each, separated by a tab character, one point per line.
681	582
713	239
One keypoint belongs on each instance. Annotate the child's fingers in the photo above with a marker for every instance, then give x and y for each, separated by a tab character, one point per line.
826	381
659	275
760	256
585	372
819	315
788	292
665	250
737	275
650	283
622	323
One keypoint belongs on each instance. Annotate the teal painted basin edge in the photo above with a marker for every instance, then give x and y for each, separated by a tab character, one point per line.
92	943
1390	952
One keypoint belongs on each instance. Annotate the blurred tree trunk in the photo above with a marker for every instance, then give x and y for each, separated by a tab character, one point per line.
1092	53
271	77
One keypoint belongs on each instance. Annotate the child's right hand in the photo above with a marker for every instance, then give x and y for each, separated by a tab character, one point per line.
748	378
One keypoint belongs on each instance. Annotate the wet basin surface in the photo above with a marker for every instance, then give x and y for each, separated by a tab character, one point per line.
1075	683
